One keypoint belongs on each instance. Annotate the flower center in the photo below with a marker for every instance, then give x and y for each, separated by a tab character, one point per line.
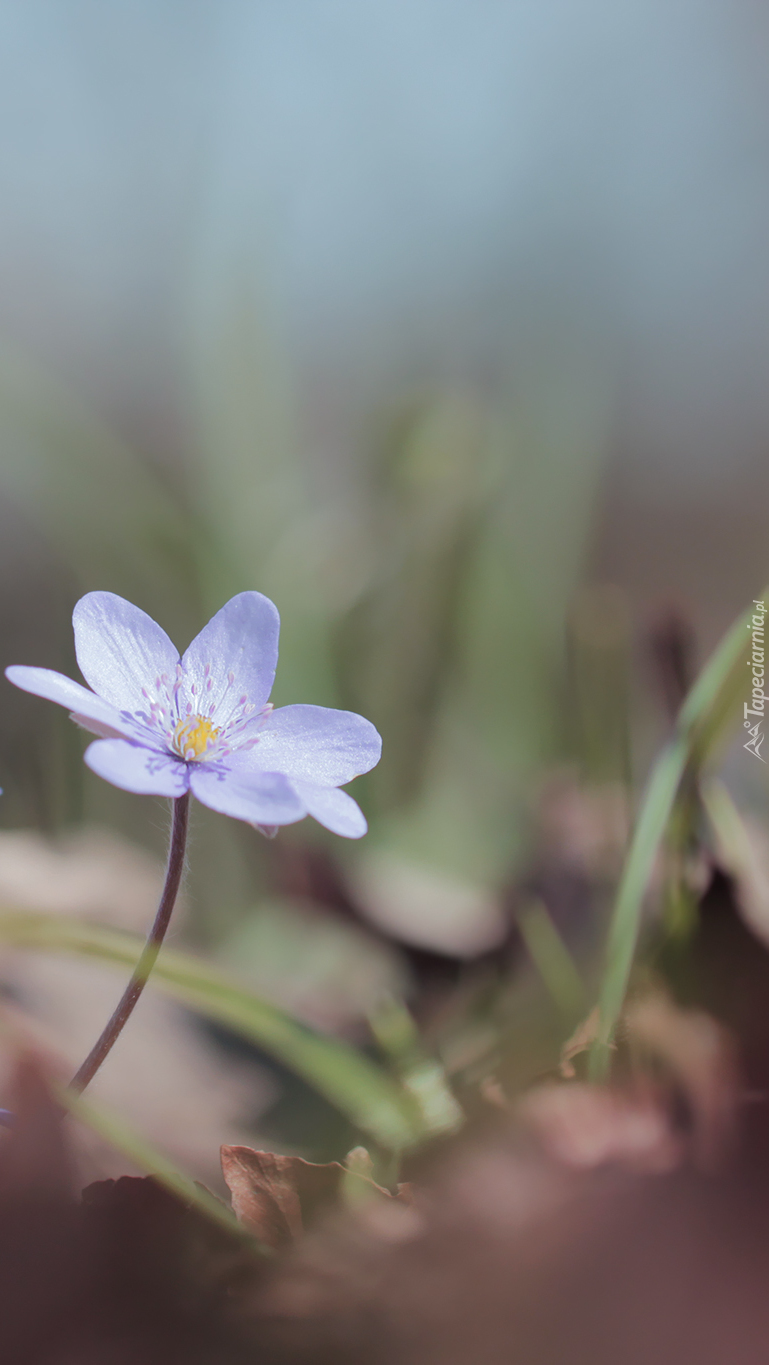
193	736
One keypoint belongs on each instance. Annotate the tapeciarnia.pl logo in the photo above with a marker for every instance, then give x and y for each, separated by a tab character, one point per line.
757	696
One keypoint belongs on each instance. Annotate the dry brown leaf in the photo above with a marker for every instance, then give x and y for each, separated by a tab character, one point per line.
279	1197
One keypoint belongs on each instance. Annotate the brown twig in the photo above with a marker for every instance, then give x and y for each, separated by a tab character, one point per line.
133	990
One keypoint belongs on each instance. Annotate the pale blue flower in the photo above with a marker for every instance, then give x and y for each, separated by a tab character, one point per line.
203	722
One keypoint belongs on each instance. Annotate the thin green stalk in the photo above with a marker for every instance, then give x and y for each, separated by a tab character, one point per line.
149	955
703	717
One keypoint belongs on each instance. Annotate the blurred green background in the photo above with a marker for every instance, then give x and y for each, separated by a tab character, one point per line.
445	326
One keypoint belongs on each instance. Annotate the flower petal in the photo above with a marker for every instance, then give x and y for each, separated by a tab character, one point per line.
45	682
240	640
316	744
333	808
259	798
99	727
137	769
120	649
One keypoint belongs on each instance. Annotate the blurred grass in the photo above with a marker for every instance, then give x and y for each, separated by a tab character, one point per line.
709	707
430	595
106	512
436	586
364	1092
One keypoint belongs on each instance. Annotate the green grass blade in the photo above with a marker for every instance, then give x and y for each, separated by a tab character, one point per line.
703	718
626	920
374	1101
552	959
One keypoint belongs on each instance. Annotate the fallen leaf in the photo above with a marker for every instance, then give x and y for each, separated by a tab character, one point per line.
279	1197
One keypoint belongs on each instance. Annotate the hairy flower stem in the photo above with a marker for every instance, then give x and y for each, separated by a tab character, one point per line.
133	990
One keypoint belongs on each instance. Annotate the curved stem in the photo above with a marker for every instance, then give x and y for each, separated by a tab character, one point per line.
133	990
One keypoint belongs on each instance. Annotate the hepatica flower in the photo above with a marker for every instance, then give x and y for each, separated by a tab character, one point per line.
203	722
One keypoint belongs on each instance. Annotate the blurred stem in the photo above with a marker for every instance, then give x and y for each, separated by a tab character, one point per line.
132	992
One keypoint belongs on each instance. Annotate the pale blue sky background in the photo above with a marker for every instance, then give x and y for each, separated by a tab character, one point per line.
415	184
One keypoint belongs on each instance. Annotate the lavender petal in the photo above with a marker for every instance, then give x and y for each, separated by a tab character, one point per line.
315	744
334	809
136	769
120	649
98	727
259	798
45	682
235	655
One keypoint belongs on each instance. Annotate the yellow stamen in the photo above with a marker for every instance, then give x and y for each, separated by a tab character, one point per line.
193	736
